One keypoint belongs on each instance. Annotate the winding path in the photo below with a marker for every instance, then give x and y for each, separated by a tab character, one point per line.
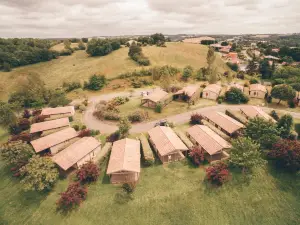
109	127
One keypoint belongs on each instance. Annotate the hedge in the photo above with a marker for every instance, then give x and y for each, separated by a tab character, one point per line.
184	138
237	116
147	151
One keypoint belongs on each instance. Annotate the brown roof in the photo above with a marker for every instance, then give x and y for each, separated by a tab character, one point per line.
165	140
58	110
75	152
156	96
215	88
254	111
48	125
53	139
258	87
188	90
208	139
125	156
225	122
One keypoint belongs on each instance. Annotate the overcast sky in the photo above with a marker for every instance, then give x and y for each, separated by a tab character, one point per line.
86	18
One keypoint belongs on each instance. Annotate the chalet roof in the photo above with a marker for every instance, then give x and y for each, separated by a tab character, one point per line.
254	111
58	110
208	139
125	156
165	140
156	96
75	152
225	122
215	88
188	90
53	139
258	87
49	125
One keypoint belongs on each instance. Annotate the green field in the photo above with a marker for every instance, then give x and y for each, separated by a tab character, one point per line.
172	194
79	66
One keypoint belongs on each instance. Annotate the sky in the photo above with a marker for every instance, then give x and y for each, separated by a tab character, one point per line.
88	18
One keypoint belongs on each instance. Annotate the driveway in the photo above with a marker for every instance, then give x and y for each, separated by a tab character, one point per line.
109	127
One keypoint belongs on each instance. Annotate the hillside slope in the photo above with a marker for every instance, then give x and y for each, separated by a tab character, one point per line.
79	66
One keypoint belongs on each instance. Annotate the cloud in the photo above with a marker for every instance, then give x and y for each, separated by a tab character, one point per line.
77	18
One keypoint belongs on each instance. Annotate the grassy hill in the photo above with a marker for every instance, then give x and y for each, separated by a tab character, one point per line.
79	66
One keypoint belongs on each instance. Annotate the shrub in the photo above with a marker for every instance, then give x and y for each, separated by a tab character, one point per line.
233	66
269	99
197	155
124	127
236	96
72	86
196	118
218	173
83	127
274	115
76	127
287	154
138	116
6	67
158	108
24	123
25	137
84	133
254	81
87	173
72	197
96	82
39	118
113	137
14	129
94	132
26	114
291	103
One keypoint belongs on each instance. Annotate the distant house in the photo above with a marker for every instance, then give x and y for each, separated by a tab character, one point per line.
211	91
156	97
275	50
241	87
271	57
53	141
216	46
49	125
257	91
167	144
224	50
233	57
124	162
78	153
66	111
205	138
251	112
189	94
226	124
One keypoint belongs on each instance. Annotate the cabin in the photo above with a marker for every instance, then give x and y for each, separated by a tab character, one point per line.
78	153
238	86
49	125
211	91
124	162
226	124
257	91
156	97
54	142
233	57
188	94
213	144
167	144
58	112
251	112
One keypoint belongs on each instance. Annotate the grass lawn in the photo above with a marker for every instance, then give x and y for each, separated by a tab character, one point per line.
169	194
173	108
3	135
79	66
59	47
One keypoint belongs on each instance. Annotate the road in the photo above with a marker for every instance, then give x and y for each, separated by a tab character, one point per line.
109	127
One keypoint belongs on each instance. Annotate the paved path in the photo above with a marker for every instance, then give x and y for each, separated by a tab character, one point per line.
110	127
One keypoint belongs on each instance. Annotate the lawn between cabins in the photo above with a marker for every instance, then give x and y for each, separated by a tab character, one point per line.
166	194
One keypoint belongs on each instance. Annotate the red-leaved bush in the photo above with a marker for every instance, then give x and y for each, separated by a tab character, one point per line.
72	197
84	133
197	155
26	114
88	172
287	154
24	123
25	137
196	119
218	173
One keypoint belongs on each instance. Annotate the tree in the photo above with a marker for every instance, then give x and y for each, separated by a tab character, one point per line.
200	75
40	174
245	153
224	43
254	81
251	67
265	69
229	77
212	76
233	66
197	155
7	116
58	98
287	154
124	127
85	40
87	173
16	152
285	125
196	118
218	173
262	131
96	82
81	46
235	96
6	67
158	108
283	92
72	197
210	58
187	72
